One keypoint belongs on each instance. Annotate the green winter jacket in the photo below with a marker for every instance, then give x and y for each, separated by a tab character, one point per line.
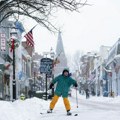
63	85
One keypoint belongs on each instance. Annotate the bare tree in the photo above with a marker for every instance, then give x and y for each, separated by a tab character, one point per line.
39	10
76	60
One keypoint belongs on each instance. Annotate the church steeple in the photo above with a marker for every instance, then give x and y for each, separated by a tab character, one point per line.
59	47
60	53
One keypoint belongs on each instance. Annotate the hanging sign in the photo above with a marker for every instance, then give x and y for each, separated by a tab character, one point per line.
46	65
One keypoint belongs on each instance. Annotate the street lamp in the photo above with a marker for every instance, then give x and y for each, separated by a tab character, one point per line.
34	74
52	54
13	44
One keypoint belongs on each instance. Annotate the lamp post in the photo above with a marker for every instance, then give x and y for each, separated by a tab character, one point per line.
34	75
13	44
52	54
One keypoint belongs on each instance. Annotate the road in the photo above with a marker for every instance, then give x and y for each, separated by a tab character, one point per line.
87	110
97	105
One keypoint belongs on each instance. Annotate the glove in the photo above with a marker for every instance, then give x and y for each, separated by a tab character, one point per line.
51	85
75	84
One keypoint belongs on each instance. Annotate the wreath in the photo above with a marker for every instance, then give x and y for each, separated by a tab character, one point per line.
13	43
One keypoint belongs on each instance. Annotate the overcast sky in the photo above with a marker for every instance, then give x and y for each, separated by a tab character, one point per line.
95	25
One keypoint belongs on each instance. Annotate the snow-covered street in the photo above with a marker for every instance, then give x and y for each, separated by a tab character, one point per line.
94	108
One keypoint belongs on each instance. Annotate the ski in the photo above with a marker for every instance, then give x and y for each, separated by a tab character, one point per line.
41	113
73	115
76	114
45	113
67	115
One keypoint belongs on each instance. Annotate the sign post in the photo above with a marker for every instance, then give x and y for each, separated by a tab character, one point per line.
46	65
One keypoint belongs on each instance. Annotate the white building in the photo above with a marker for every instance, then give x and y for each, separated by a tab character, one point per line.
113	63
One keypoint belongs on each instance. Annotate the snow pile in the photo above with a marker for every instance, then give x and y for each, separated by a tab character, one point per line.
28	109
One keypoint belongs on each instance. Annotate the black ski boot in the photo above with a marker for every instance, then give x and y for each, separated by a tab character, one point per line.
49	111
69	113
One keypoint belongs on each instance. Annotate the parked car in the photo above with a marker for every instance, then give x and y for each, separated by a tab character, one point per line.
42	94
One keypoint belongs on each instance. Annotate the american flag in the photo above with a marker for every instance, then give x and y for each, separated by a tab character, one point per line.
29	38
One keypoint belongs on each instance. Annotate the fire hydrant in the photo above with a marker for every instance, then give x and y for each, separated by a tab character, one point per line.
22	96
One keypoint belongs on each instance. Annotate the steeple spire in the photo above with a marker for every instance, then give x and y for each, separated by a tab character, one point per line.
60	54
59	47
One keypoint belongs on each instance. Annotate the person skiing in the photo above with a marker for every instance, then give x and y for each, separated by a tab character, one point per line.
64	81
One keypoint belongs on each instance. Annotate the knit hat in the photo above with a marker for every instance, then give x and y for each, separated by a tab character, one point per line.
65	70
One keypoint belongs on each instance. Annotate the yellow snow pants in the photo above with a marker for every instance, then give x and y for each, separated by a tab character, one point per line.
55	99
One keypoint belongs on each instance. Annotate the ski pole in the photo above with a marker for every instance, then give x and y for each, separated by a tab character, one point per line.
76	98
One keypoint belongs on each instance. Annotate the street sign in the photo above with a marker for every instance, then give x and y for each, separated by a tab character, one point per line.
46	65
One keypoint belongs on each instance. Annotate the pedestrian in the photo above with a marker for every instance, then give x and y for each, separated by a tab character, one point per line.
30	93
64	81
93	92
87	93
